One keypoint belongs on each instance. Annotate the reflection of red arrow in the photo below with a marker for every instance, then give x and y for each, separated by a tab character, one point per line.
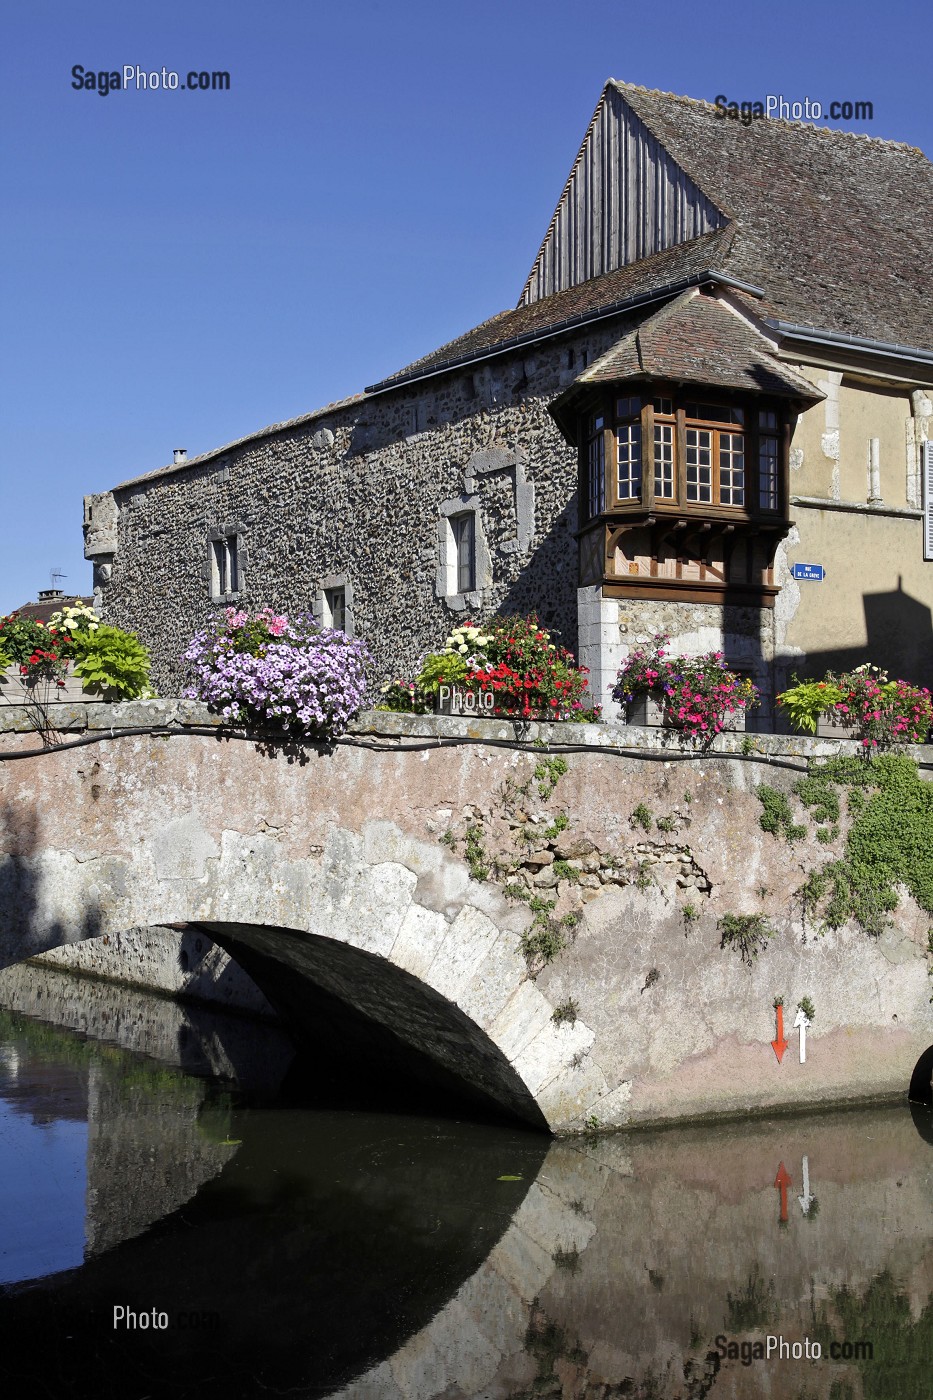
780	1044
782	1181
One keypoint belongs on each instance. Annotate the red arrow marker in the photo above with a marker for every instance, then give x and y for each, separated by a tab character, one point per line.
782	1181
780	1044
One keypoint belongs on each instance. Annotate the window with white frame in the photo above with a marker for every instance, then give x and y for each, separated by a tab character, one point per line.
225	565
335	608
333	603
464	565
463	530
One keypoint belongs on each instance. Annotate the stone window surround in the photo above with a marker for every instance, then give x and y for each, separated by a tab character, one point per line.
446	579
319	607
485	462
231	530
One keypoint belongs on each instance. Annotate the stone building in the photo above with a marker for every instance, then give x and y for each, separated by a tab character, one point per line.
720	370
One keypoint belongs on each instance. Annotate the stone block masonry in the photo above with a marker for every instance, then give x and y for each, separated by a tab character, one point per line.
421	874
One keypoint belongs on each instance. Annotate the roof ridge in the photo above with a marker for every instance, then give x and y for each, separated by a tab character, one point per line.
624	87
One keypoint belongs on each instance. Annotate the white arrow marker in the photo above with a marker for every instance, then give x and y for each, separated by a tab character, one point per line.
802	1021
806	1200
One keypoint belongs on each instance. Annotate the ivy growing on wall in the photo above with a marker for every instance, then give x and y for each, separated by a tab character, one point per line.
889	842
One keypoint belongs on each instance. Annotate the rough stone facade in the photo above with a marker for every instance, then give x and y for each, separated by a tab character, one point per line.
361	492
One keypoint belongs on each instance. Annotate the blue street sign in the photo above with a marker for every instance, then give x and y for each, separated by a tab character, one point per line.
814	572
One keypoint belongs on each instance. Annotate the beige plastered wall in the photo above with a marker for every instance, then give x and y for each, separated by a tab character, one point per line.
876	601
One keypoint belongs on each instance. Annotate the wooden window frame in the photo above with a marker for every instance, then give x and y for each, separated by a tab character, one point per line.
750	430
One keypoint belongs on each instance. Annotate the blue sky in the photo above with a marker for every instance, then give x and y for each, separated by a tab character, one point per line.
182	268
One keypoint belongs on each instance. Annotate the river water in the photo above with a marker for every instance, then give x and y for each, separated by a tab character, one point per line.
282	1237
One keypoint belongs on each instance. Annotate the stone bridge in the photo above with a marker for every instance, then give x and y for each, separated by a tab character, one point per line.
390	895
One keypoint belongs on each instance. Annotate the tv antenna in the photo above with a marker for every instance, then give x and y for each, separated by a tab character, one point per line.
55	575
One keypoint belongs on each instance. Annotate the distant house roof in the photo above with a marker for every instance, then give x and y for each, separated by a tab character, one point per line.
51	600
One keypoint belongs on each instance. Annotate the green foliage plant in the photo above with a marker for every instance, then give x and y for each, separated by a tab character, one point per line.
111	662
441	668
747	934
641	817
805	701
890	843
566	1013
475	852
806	1006
548	774
776	816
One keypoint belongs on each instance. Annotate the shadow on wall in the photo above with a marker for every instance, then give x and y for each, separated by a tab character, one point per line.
547	583
23	928
899	629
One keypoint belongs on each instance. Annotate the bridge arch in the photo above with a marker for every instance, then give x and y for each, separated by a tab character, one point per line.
374	929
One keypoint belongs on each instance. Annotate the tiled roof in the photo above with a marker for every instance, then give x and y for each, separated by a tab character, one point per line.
174	468
43	610
830	225
696	339
671	269
834	226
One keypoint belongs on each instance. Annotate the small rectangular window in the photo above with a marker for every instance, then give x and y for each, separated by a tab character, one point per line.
628	440
335	608
731	469
628	408
714	413
767	470
464	536
664	461
699	464
664	408
596	468
225	569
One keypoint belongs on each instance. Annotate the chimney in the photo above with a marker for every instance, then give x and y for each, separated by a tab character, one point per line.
181	455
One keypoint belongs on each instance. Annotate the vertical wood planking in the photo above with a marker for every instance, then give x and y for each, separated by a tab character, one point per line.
625	199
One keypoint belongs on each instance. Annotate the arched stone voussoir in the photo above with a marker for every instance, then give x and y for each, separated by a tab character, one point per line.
381	923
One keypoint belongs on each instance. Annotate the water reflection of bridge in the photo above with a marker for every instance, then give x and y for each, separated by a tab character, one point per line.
393	1261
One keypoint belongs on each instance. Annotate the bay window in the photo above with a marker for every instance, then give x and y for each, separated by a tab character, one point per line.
666	452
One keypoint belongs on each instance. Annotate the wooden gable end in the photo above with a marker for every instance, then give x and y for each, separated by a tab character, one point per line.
626	198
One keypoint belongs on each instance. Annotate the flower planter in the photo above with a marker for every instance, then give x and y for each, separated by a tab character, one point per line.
17	690
648	710
831	727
